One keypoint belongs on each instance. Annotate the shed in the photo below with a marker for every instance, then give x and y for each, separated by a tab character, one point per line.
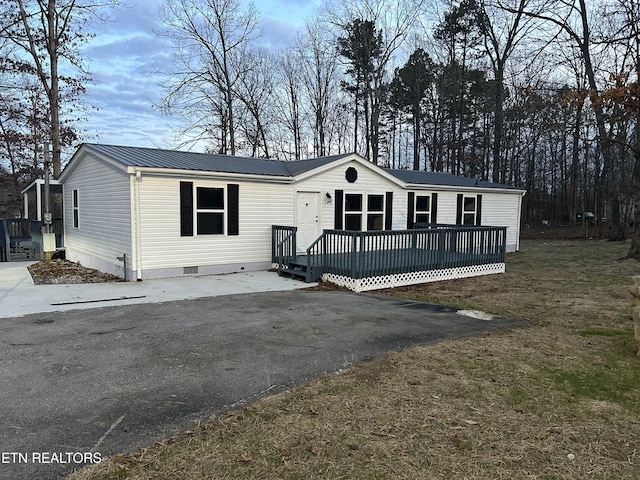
145	213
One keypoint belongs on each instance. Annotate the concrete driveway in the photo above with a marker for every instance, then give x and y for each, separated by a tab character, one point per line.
86	383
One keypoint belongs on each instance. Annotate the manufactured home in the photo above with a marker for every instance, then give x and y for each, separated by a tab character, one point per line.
145	213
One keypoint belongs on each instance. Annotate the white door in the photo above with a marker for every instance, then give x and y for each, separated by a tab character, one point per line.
307	218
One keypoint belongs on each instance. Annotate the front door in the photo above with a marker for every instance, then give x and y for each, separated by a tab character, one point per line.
307	218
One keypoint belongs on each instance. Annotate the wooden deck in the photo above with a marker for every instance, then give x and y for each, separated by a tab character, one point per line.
367	260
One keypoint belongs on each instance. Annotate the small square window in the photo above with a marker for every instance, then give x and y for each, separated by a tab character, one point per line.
353	203
375	203
210	223
469	219
470	204
210	198
375	221
422	203
353	222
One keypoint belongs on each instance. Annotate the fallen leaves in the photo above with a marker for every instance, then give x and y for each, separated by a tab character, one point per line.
64	271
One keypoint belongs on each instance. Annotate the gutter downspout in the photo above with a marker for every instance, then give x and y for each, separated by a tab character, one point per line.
137	244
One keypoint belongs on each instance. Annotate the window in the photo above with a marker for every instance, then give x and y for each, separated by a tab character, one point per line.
375	212
76	208
353	211
423	209
469	211
210	211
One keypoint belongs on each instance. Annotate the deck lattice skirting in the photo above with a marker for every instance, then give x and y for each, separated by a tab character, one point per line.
412	278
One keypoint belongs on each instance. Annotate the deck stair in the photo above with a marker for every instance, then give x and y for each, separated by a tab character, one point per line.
297	269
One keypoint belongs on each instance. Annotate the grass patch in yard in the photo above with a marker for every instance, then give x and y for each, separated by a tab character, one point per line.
559	399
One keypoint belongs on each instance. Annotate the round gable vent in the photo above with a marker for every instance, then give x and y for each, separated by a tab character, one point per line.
351	174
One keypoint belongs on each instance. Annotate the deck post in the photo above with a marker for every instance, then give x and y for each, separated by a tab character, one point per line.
354	255
441	246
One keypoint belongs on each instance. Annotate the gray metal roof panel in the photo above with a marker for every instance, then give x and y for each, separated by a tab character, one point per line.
421	177
180	160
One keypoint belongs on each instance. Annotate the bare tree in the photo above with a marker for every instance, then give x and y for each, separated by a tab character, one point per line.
624	35
393	20
573	18
289	104
502	32
48	34
210	40
319	69
256	93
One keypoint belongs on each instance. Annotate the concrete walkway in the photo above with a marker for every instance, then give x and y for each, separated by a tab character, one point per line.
19	296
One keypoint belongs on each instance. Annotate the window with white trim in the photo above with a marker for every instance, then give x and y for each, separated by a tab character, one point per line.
423	209
210	211
355	210
469	210
76	208
375	212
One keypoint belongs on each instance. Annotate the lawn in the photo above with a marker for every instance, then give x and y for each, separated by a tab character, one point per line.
558	399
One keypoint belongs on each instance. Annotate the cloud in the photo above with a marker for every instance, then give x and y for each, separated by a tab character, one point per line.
125	59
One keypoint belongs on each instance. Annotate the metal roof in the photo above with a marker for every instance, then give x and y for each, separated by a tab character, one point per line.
207	162
421	177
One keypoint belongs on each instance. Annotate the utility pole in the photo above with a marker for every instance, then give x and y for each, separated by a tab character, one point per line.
48	237
47	191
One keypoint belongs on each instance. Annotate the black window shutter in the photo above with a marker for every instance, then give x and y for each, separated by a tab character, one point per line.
233	209
411	204
337	221
388	211
478	209
186	209
434	208
459	210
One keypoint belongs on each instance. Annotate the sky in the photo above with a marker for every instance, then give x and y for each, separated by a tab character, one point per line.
125	52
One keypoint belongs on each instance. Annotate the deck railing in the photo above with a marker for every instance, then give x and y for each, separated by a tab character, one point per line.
283	244
19	239
359	255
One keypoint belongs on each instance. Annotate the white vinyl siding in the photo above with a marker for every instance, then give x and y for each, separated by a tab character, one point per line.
502	210
260	206
368	183
102	212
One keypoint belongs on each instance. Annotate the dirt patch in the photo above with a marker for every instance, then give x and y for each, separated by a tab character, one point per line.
64	271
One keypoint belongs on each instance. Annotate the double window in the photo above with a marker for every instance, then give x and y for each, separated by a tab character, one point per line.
210	211
215	210
359	208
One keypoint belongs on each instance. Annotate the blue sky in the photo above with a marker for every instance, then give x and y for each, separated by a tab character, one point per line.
124	54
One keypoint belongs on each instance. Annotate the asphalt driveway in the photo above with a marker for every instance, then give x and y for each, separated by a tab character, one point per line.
85	384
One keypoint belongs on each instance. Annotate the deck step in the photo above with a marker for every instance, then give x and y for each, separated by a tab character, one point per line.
296	273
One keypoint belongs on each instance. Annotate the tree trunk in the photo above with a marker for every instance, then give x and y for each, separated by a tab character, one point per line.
634	249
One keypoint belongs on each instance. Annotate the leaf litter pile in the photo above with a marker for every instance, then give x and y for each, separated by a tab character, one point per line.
59	271
559	399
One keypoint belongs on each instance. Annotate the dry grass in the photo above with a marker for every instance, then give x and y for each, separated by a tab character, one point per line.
556	400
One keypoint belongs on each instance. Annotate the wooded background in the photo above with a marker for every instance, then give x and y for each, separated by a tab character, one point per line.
539	94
